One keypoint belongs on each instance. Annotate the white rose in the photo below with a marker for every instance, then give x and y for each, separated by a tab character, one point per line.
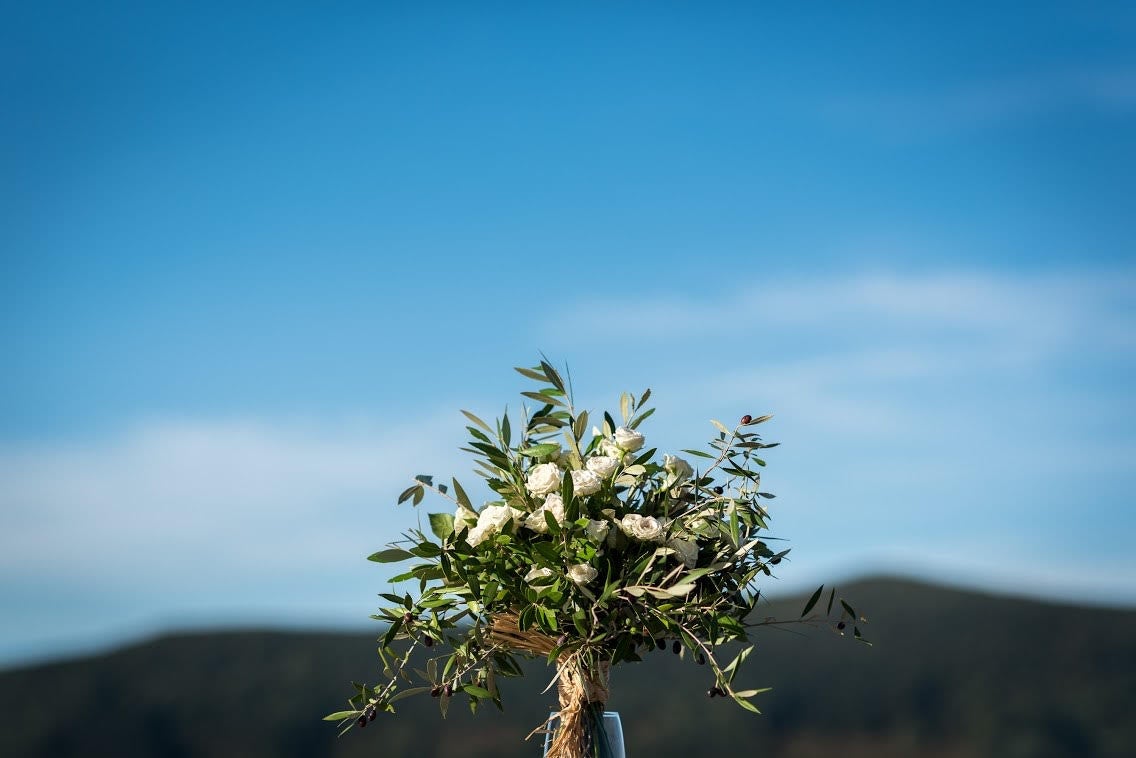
582	573
544	478
553	504
538	573
628	439
464	517
678	470
602	466
477	535
586	482
612	450
490	521
596	531
641	528
687	551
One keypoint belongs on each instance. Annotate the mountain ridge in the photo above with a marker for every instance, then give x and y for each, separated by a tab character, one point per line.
952	673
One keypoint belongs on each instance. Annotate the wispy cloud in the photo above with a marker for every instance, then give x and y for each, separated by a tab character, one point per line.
928	414
932	112
170	500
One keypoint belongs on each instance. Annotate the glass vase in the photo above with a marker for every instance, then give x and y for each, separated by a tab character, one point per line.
605	735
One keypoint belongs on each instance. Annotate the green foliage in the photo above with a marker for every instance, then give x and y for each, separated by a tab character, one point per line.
592	540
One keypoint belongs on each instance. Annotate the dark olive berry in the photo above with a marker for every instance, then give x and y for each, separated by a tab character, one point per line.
371	716
676	647
776	560
561	640
407	618
661	644
362	722
747	418
428	641
449	690
435	691
712	692
719	490
701	659
841	625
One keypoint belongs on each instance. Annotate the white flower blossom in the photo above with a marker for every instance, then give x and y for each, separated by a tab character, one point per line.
544	478
641	528
596	531
609	449
490	521
582	573
538	573
602	466
464	517
628	439
586	482
553	504
678	471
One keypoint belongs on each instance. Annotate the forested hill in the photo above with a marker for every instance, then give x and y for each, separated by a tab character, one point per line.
952	673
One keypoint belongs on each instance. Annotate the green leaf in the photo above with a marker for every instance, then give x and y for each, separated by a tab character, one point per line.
442	525
553	375
459	493
635	422
747	705
538	451
751	693
624	406
408	693
408	493
849	609
812	601
531	374
541	397
477	421
831	595
721	427
392	555
580	425
340	715
475	691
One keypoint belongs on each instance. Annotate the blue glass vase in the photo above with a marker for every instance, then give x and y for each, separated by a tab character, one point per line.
605	734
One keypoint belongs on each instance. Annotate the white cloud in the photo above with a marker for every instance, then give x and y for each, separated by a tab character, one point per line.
943	412
976	105
170	498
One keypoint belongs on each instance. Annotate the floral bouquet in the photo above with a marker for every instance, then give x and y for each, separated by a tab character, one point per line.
594	552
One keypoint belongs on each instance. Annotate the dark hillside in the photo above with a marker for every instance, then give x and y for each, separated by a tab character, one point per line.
952	673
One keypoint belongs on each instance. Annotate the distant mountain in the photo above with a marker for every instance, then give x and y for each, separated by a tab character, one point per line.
952	673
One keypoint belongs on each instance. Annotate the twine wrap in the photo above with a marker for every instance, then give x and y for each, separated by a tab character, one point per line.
582	692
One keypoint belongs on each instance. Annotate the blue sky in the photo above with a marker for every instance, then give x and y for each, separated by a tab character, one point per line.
255	260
